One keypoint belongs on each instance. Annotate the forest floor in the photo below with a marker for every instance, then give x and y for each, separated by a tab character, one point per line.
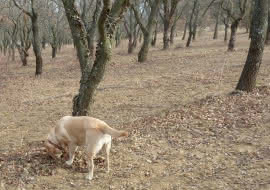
186	130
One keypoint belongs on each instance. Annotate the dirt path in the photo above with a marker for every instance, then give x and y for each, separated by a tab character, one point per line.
150	159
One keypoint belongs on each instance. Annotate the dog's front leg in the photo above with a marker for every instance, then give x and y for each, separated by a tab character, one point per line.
90	166
71	152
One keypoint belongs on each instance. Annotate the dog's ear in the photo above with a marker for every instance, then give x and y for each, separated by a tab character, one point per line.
51	150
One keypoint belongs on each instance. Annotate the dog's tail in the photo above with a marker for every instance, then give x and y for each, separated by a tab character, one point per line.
113	132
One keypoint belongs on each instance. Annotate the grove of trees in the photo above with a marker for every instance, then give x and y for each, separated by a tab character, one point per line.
95	27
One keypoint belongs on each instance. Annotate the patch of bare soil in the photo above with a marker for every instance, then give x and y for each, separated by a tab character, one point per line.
186	132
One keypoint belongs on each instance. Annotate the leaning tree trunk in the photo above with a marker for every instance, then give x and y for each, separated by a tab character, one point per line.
226	32
43	42
147	31
185	30
23	55
91	33
36	43
191	28
172	34
142	56
92	72
216	26
195	27
12	53
130	44
234	28
166	39
247	81
154	40
189	38
135	37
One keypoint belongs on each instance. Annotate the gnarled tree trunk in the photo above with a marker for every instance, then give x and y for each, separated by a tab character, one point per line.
154	40
92	71
185	30
92	29
191	32
267	41
36	43
234	28
147	31
247	81
216	26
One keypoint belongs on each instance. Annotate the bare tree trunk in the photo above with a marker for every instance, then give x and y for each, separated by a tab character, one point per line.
130	45
92	71
169	8
234	28
247	81
54	50
147	31
142	56
172	34
195	24
185	30
43	42
135	36
216	26
226	33
24	56
191	28
118	35
36	43
154	40
92	29
166	35
267	41
12	53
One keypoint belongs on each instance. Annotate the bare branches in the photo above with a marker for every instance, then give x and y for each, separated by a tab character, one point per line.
207	8
138	19
22	9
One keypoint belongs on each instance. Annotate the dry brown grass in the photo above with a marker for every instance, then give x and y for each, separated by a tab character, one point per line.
177	141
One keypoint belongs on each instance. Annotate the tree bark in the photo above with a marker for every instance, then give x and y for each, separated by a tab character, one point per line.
169	11
54	50
92	71
185	30
267	41
36	44
154	40
234	28
92	29
147	31
216	26
172	34
195	24
166	35
191	32
247	81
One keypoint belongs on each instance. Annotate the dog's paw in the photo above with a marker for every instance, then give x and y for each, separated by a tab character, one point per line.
89	177
69	162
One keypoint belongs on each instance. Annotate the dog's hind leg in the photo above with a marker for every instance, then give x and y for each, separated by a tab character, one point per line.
71	152
108	148
90	166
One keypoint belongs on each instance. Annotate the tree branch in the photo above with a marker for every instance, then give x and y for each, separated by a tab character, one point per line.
138	19
22	9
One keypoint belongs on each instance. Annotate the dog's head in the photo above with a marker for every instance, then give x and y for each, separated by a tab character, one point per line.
52	149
